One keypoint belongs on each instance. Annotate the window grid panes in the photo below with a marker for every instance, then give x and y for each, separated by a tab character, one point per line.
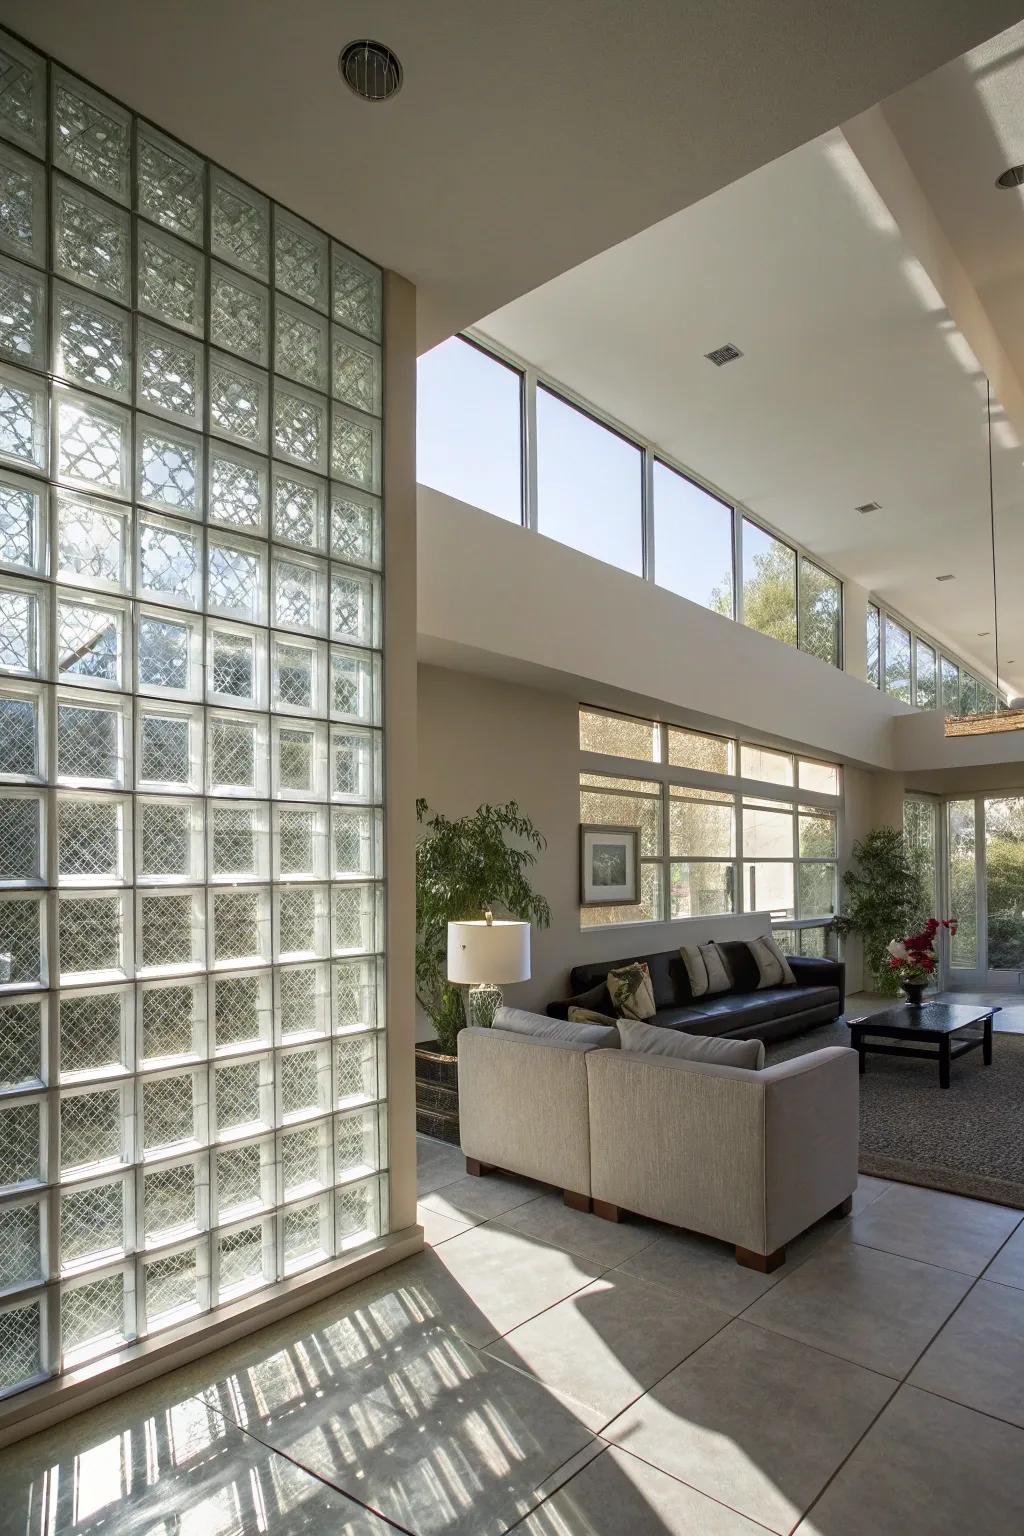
911	668
191	1008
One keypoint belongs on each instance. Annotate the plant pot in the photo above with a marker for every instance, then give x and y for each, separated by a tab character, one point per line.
914	991
437	1094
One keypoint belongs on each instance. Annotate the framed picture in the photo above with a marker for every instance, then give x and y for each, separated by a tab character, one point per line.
609	866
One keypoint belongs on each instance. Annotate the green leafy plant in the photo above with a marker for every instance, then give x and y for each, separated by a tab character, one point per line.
464	867
883	900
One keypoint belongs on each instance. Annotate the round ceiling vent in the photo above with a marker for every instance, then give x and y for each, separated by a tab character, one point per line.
370	69
1014	177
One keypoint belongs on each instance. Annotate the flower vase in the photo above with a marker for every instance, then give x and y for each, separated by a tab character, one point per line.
914	992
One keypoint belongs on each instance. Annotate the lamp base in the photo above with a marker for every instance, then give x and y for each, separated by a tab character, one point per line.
484	1002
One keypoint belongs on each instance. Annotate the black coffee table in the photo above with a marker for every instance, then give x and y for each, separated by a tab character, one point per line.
933	1024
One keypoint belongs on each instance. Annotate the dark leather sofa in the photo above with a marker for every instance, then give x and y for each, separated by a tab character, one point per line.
774	1013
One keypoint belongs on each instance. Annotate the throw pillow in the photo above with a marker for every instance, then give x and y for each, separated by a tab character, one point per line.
696	970
788	979
707	968
772	965
629	987
651	1040
589	1016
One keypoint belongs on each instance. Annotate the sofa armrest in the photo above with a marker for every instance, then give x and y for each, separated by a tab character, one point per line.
595	999
811	972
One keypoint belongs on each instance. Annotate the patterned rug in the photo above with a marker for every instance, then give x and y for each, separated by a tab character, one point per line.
968	1140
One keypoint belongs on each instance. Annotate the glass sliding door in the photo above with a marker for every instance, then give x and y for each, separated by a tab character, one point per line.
1004	882
962	846
920	829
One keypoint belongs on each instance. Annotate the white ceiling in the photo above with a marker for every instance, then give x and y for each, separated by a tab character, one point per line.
527	135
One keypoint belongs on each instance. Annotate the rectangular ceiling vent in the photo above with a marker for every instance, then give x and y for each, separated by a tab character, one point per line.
722	355
869	506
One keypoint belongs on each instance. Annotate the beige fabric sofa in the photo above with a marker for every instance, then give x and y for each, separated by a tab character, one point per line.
752	1158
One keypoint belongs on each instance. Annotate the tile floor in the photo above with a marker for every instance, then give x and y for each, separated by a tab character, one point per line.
538	1370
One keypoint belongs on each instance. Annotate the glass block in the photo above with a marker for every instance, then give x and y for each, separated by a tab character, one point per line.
170	841
300	345
172	184
356	842
22	206
21	941
92	1129
300	426
23	337
300	842
175	1287
355	606
21	1245
21	1144
170	748
298	760
170	931
169	654
170	561
306	1235
90	743
92	1223
241	1011
170	374
171	280
356	1144
20	745
352	908
241	927
303	1001
93	1031
22	531
92	136
300	260
173	1200
173	1108
299	508
355	775
21	1344
235	753
356	377
92	342
301	913
356	292
304	1082
298	670
91	241
245	1178
236	578
305	1155
355	448
90	641
239	315
92	541
22	95
91	934
172	1020
22	1025
168	468
21	611
21	838
355	686
90	840
236	664
245	1260
243	1096
299	596
239	839
357	1216
238	401
23	418
239	224
95	1317
238	489
93	446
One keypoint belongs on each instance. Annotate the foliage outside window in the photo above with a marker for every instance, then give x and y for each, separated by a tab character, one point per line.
821	606
874	622
897	660
924	674
769	585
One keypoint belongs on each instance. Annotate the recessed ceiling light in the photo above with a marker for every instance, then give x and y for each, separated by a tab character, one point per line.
948	577
869	506
1012	177
722	355
370	69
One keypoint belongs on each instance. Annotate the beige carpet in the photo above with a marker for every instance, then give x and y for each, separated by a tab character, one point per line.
968	1140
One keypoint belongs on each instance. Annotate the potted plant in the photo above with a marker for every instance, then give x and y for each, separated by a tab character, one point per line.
883	896
912	960
463	868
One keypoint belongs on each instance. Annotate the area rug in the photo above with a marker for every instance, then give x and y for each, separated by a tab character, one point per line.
968	1140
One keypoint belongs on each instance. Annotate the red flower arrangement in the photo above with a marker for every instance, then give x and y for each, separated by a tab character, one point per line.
914	957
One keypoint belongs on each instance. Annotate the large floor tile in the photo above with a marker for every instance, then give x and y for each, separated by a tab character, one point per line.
1008	1265
927	1467
474	1199
868	1191
618	1495
128	1469
755	1420
935	1227
604	1242
438	1228
608	1343
978	1358
437	1165
876	1309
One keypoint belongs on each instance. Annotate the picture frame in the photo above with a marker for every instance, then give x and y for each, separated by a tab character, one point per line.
609	866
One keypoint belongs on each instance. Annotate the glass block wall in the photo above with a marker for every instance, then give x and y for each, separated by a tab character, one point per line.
191	936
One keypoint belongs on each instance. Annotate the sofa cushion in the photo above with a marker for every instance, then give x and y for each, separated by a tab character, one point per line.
629	987
734	1012
772	965
648	1039
516	1021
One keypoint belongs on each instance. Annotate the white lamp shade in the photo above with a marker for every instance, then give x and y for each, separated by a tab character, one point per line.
496	952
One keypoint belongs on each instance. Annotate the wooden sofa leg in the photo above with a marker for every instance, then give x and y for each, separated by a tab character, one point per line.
764	1263
574	1201
842	1209
606	1210
475	1167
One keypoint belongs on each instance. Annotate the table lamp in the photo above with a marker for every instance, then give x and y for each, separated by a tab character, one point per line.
485	955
